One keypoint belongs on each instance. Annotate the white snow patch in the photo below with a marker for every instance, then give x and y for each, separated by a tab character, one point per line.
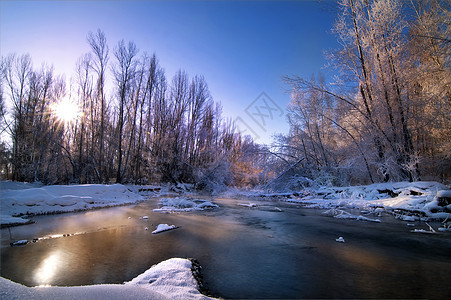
340	239
409	218
341	214
170	279
250	204
444	194
163	227
10	220
422	231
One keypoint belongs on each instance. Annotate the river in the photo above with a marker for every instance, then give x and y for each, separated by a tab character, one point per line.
258	252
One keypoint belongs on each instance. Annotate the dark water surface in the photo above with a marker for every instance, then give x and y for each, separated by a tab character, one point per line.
245	252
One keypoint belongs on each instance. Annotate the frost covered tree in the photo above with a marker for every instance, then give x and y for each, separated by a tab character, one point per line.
429	84
147	130
378	99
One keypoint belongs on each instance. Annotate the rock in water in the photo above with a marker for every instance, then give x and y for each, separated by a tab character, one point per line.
340	240
19	243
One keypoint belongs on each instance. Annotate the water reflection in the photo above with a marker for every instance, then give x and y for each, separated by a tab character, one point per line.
48	268
245	252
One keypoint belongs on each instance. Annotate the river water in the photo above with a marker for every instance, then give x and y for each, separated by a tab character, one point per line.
245	252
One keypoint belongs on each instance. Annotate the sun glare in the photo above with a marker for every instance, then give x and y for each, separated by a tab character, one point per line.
66	111
47	269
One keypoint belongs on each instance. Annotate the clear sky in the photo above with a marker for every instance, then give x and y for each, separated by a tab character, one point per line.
242	48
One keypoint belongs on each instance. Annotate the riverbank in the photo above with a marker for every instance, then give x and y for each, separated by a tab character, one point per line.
21	201
410	201
171	279
271	247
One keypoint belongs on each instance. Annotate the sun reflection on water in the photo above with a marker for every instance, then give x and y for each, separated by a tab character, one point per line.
47	269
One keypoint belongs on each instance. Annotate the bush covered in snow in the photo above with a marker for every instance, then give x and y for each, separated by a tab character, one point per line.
215	178
183	204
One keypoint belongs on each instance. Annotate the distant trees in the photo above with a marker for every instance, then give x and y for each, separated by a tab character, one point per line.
147	130
383	114
386	116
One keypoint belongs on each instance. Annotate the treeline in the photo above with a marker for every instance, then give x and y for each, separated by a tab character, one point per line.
147	130
387	115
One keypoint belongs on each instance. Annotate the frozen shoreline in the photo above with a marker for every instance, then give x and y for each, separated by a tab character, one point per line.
20	201
409	200
170	279
412	201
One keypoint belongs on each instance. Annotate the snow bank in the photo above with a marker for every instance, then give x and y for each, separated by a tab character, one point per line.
15	185
183	204
408	200
16	202
170	279
163	190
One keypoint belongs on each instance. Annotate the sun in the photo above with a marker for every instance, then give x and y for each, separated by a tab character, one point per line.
66	111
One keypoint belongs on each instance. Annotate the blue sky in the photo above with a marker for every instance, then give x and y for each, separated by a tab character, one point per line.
242	48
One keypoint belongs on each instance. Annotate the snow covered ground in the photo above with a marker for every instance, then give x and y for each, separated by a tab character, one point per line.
21	200
170	279
408	201
173	278
415	200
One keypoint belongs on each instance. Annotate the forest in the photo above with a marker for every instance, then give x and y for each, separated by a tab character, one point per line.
384	117
148	130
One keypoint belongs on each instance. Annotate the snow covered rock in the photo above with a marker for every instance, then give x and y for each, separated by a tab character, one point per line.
340	240
247	204
170	279
183	204
164	227
19	243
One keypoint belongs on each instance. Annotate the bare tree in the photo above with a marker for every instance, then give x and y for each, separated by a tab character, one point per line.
99	48
124	73
85	145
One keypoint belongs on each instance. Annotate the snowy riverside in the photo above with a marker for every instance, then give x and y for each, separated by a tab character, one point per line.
225	149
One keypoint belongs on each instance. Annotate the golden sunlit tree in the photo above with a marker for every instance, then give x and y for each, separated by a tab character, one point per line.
392	91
